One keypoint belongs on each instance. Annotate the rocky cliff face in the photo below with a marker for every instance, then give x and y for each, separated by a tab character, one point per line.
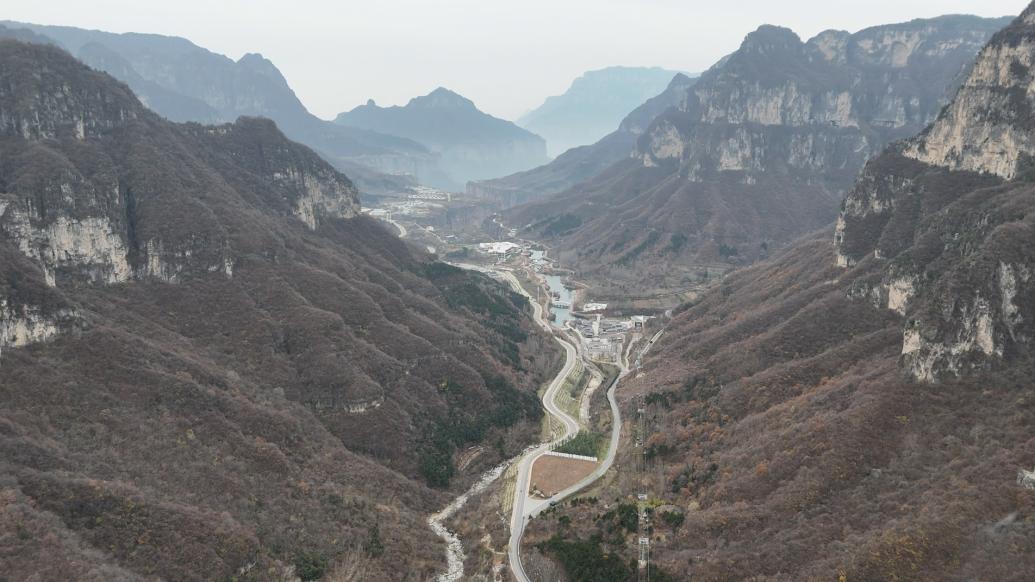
471	144
836	98
212	366
760	149
945	230
77	218
986	128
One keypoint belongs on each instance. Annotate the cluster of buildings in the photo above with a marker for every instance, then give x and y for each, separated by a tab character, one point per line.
500	249
426	193
411	208
603	338
607	349
539	263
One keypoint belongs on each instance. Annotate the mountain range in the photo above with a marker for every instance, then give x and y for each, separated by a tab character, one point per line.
213	366
859	406
758	151
594	105
471	145
184	82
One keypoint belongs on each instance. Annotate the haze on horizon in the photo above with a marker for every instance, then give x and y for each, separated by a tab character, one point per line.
506	57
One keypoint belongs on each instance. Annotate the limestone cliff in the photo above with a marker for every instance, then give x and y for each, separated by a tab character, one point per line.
581	163
943	217
987	127
594	104
78	215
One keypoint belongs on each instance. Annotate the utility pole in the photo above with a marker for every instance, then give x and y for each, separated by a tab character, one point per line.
643	565
641	431
643	575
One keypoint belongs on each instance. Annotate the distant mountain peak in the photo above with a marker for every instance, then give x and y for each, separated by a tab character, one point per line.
442	98
767	38
260	64
832	45
595	104
470	144
680	80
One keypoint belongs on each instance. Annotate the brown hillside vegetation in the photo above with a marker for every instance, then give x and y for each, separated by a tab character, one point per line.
858	410
211	366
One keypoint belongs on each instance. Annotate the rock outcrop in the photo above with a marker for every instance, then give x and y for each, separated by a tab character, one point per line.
986	129
943	207
22	325
76	215
581	163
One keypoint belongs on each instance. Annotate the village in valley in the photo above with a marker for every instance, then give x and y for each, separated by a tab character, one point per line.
602	334
602	329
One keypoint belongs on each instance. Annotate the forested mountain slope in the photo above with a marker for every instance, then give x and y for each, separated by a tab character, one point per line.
859	406
211	366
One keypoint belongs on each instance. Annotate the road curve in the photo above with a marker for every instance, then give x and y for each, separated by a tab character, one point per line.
402	229
454	551
526	508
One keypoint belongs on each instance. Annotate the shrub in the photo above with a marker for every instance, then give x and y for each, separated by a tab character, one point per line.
676	242
673	519
584	443
373	545
629	516
310	565
586	560
460	427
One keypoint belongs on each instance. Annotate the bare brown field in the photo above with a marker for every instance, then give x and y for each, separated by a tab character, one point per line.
552	474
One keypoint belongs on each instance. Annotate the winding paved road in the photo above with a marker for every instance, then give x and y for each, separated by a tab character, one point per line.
402	229
523	504
526	507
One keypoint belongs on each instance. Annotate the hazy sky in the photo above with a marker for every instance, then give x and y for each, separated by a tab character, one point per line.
507	56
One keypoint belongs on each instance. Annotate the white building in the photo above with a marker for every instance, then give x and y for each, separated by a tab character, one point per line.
639	322
499	248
